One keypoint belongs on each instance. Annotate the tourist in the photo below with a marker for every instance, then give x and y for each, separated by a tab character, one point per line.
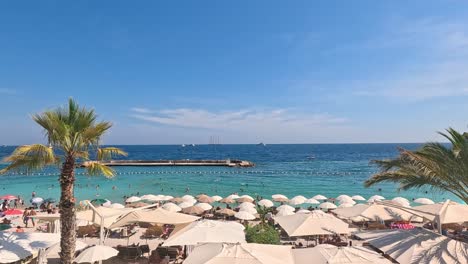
33	194
19	229
26	217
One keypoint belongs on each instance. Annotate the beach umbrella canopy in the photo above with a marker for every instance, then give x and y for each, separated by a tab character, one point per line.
50	200
327	205
99	201
377	197
207	231
352	202
284	212
372	212
204	206
265	202
157	216
423	201
249	209
117	206
244	200
205	199
96	253
233	196
137	205
279	198
319	197
358	198
247	196
246	253
185	204
227	200
8	197
303	211
315	223
166	198
243	215
36	200
345	205
133	199
401	201
346	200
150	198
177	200
417	245
193	210
17	246
171	207
285	206
246	205
296	201
330	254
217	198
343	197
225	211
449	212
13	212
188	197
311	201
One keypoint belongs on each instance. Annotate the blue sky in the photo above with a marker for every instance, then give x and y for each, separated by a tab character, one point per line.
245	71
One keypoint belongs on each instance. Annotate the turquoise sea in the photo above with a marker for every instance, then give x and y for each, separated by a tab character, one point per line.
287	169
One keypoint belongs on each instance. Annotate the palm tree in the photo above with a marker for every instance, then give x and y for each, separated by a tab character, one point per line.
434	165
72	133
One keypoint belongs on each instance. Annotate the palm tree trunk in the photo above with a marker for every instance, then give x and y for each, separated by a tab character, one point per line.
67	211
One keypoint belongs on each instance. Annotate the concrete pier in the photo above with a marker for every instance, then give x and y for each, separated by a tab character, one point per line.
224	163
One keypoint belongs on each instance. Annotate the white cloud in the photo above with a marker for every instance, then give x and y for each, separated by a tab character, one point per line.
246	125
141	110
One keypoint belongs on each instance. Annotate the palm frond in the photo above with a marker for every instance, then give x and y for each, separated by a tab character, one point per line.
95	168
433	165
30	157
109	152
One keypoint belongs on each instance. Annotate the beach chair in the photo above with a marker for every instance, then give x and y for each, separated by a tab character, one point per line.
129	252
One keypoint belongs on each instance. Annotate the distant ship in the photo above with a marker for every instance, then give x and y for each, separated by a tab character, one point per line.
261	144
312	157
183	145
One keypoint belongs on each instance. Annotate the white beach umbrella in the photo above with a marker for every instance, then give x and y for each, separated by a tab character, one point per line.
377	197
107	203
37	200
344	205
246	205
207	231
303	211
284	212
150	197
247	196
246	253
352	202
296	201
401	201
265	202
343	197
300	197
243	215
249	209
186	204
96	253
315	223
279	198
117	206
172	207
233	196
217	198
204	206
319	197
330	254
423	201
358	198
167	198
285	206
311	201
327	205
133	199
188	197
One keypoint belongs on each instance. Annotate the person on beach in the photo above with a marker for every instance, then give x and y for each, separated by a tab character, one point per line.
19	229
33	194
25	217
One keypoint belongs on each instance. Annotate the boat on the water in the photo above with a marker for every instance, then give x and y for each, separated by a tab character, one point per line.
261	144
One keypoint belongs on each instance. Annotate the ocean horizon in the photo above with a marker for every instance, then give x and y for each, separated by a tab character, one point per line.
289	169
